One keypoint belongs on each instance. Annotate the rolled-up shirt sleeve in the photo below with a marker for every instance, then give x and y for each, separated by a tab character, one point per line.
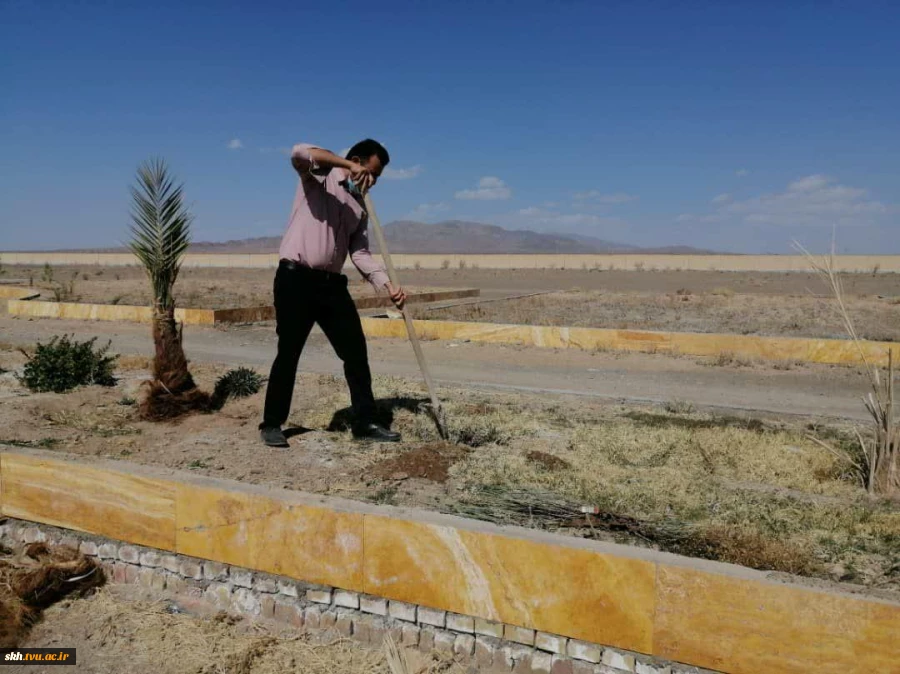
362	259
305	165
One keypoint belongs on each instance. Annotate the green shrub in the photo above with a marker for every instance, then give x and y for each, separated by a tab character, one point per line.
238	383
62	365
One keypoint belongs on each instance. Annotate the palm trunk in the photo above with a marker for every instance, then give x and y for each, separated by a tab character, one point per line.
172	391
170	366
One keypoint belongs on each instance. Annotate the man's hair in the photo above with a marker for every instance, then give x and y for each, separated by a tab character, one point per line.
366	148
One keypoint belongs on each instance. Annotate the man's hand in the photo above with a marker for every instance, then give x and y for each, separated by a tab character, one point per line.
398	295
361	176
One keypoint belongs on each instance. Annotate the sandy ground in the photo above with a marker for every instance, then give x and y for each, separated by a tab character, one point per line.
720	311
121	629
195	288
708	471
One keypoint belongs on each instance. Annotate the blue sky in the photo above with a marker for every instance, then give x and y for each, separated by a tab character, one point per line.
737	126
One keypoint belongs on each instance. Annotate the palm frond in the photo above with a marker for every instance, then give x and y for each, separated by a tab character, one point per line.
160	228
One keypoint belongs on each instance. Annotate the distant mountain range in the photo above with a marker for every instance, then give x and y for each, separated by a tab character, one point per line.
452	237
461	238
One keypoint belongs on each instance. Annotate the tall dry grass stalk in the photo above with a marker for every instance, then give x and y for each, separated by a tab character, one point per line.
395	658
879	469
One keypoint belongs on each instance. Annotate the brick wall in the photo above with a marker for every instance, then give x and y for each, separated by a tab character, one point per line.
329	612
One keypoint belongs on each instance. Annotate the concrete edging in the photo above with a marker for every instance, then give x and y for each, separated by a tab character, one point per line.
702	613
829	351
327	613
118	312
16	293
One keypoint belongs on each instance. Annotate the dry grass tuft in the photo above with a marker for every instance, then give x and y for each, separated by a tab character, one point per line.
110	628
749	548
879	469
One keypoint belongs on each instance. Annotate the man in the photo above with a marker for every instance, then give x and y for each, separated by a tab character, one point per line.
327	222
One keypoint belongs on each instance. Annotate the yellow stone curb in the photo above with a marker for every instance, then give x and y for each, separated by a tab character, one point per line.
118	312
16	293
831	351
707	614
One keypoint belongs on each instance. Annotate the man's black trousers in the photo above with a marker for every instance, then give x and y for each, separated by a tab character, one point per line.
304	297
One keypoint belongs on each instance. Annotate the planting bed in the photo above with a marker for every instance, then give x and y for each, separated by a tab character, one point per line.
757	492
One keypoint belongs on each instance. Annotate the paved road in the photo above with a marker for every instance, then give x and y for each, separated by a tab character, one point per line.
817	391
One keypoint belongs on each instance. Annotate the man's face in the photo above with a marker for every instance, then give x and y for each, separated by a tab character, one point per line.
373	163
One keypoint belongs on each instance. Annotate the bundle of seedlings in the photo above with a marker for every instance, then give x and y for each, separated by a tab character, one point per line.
540	509
35	578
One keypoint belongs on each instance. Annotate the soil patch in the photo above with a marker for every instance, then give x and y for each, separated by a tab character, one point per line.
547	461
431	461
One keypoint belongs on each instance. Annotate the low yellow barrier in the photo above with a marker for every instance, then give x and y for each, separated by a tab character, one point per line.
118	312
702	613
16	293
833	351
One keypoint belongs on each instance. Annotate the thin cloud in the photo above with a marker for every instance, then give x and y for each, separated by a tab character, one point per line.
490	188
428	210
814	200
721	199
401	174
741	173
235	144
549	220
601	198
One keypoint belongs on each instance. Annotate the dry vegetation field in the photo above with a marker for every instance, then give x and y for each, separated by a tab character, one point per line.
718	311
753	491
788	304
195	288
118	629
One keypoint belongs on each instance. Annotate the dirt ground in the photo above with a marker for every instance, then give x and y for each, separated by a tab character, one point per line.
195	288
753	491
791	304
719	311
120	629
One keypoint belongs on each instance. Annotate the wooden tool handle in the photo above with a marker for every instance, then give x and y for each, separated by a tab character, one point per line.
410	329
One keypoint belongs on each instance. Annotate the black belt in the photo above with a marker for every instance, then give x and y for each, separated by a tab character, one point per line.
294	266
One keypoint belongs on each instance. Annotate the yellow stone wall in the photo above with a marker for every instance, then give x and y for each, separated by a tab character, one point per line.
14	293
120	312
851	263
832	351
701	613
103	312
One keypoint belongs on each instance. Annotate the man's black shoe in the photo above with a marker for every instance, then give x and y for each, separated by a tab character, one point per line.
375	433
273	437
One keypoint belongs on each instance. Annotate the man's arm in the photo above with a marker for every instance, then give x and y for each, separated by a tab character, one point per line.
362	259
309	160
373	272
